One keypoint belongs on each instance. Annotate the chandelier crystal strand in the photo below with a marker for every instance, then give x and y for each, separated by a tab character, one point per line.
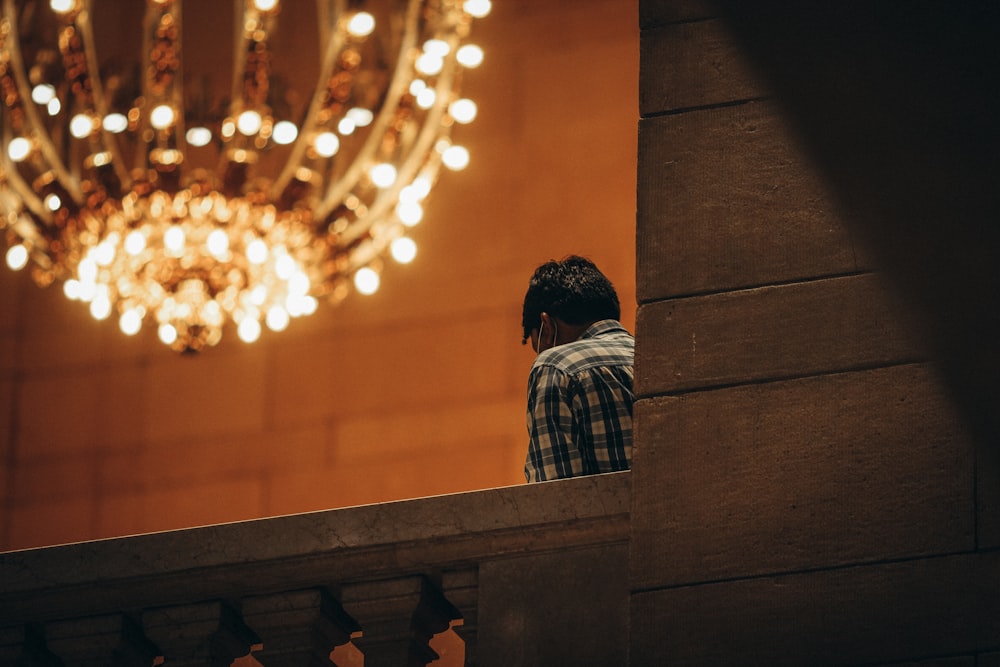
115	199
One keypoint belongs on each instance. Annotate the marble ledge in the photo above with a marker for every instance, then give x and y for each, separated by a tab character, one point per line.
324	548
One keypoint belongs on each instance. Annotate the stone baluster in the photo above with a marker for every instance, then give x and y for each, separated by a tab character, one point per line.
398	617
207	634
100	641
24	647
298	628
461	588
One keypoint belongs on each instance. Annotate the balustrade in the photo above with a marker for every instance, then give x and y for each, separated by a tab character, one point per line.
289	590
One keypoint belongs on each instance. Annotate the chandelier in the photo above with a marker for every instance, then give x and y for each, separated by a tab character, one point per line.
159	205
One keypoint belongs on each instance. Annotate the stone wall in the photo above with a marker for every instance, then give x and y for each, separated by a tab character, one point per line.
807	489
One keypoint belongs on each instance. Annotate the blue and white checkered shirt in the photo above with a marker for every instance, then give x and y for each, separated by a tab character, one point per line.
580	405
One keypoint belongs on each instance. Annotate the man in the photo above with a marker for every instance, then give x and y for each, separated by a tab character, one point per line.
580	386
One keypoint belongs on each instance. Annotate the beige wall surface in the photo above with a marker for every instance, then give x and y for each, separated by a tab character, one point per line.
417	390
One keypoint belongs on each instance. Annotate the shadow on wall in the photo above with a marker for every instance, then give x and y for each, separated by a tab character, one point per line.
898	103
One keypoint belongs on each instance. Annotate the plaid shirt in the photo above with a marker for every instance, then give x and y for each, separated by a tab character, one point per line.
580	405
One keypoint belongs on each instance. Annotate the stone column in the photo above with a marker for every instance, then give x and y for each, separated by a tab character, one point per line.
298	628
207	634
98	641
461	587
398	617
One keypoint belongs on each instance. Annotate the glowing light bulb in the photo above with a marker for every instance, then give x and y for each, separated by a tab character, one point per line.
284	132
403	250
257	252
409	213
429	64
115	123
248	330
167	333
100	307
277	319
455	158
130	321
174	240
470	56
198	136
426	97
249	123
477	8
17	257
366	280
463	110
327	144
265	5
53	202
383	175
361	24
135	242
360	117
81	125
54	106
62	6
18	149
161	117
217	243
437	47
43	93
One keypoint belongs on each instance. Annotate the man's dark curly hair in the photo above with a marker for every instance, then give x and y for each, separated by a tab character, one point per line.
574	290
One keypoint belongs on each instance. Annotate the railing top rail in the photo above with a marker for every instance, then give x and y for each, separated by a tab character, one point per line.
317	548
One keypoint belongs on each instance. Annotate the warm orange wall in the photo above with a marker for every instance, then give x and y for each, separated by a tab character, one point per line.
417	390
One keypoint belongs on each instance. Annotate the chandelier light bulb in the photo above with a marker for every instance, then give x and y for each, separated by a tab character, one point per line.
463	111
426	98
284	132
265	5
17	257
167	333
257	252
403	250
81	126
360	117
248	330
100	307
130	321
410	213
277	319
53	202
249	123
62	6
217	243
366	280
135	242
477	8
361	24
327	144
383	175
470	56
18	149
174	240
115	123
161	117
198	136
54	106
43	93
455	158
429	64
436	47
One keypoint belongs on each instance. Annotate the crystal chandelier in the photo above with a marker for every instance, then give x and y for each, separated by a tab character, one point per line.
156	206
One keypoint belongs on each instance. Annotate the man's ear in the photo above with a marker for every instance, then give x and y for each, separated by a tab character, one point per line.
547	321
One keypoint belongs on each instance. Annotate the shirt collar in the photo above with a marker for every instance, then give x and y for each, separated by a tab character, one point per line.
603	327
